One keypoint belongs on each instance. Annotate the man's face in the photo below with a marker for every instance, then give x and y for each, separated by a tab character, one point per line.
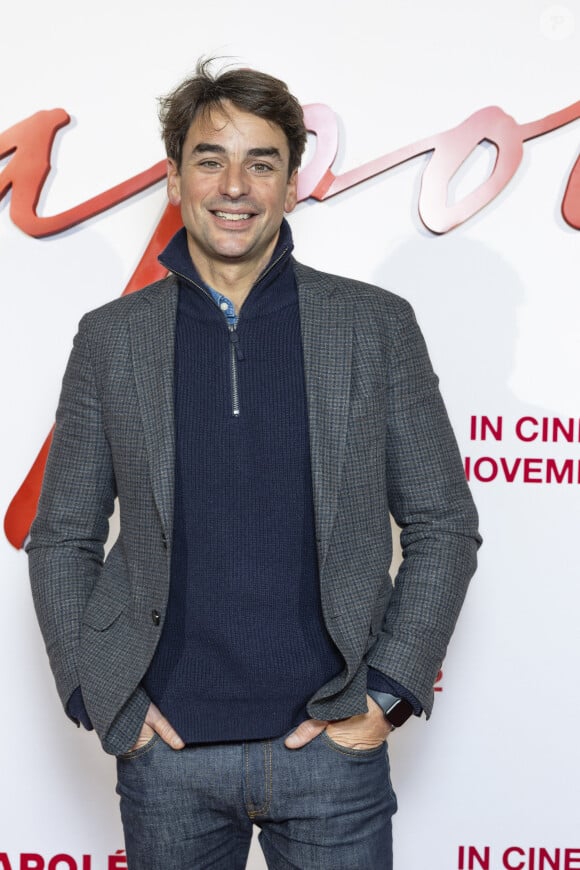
232	187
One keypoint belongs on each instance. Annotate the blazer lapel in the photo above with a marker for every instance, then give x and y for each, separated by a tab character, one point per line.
152	347
326	323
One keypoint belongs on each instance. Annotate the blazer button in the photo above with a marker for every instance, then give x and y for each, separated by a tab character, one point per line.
164	541
155	617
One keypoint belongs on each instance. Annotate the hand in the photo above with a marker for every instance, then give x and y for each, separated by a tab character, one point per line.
156	723
365	731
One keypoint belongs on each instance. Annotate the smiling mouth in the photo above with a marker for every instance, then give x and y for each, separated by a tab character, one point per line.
233	216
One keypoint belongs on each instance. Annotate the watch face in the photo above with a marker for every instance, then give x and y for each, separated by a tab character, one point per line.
399	712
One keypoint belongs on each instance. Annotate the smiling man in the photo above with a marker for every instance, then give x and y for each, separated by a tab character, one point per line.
242	649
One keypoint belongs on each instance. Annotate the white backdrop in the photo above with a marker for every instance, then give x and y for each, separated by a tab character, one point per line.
493	780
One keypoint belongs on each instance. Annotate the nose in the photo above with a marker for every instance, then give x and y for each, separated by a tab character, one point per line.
234	181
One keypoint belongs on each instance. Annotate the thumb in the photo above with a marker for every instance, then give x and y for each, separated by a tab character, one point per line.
305	732
156	720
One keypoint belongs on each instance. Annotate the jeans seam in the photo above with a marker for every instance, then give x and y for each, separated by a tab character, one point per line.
251	809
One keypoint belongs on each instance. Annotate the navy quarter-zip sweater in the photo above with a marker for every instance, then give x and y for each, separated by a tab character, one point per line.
244	645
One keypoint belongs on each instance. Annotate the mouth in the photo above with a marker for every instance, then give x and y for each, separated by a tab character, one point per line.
234	217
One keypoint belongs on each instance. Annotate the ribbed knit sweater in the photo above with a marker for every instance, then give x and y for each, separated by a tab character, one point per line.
244	645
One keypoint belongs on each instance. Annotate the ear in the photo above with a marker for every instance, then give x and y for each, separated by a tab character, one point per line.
291	192
173	182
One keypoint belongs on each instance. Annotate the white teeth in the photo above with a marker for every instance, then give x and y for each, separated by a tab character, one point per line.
229	216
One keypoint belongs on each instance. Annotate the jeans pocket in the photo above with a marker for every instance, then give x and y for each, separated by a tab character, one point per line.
350	751
141	750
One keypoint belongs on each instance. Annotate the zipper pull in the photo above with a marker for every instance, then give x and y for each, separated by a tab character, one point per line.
235	340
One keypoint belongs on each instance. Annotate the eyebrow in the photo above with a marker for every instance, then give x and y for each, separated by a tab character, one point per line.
212	148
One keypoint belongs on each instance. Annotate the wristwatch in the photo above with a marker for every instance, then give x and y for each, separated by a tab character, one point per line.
396	710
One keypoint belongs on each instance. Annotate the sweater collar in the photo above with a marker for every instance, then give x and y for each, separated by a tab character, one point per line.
177	259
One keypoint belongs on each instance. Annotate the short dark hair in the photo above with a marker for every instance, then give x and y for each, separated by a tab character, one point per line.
248	89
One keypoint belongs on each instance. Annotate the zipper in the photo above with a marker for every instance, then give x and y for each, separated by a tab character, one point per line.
235	349
236	352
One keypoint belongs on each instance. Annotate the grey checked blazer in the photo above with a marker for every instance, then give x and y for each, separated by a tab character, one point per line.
380	443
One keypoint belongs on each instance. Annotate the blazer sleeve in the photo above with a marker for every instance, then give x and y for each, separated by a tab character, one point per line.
431	503
66	545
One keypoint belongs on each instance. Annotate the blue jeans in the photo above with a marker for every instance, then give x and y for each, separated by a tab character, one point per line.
321	807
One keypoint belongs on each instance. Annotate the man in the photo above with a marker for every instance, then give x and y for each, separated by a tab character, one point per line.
242	649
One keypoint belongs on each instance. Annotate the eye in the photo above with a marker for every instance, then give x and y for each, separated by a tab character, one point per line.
209	164
261	168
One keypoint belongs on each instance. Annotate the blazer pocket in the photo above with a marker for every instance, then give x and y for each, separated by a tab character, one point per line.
109	597
102	611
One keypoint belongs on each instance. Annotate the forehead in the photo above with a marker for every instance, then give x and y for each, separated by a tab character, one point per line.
231	127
